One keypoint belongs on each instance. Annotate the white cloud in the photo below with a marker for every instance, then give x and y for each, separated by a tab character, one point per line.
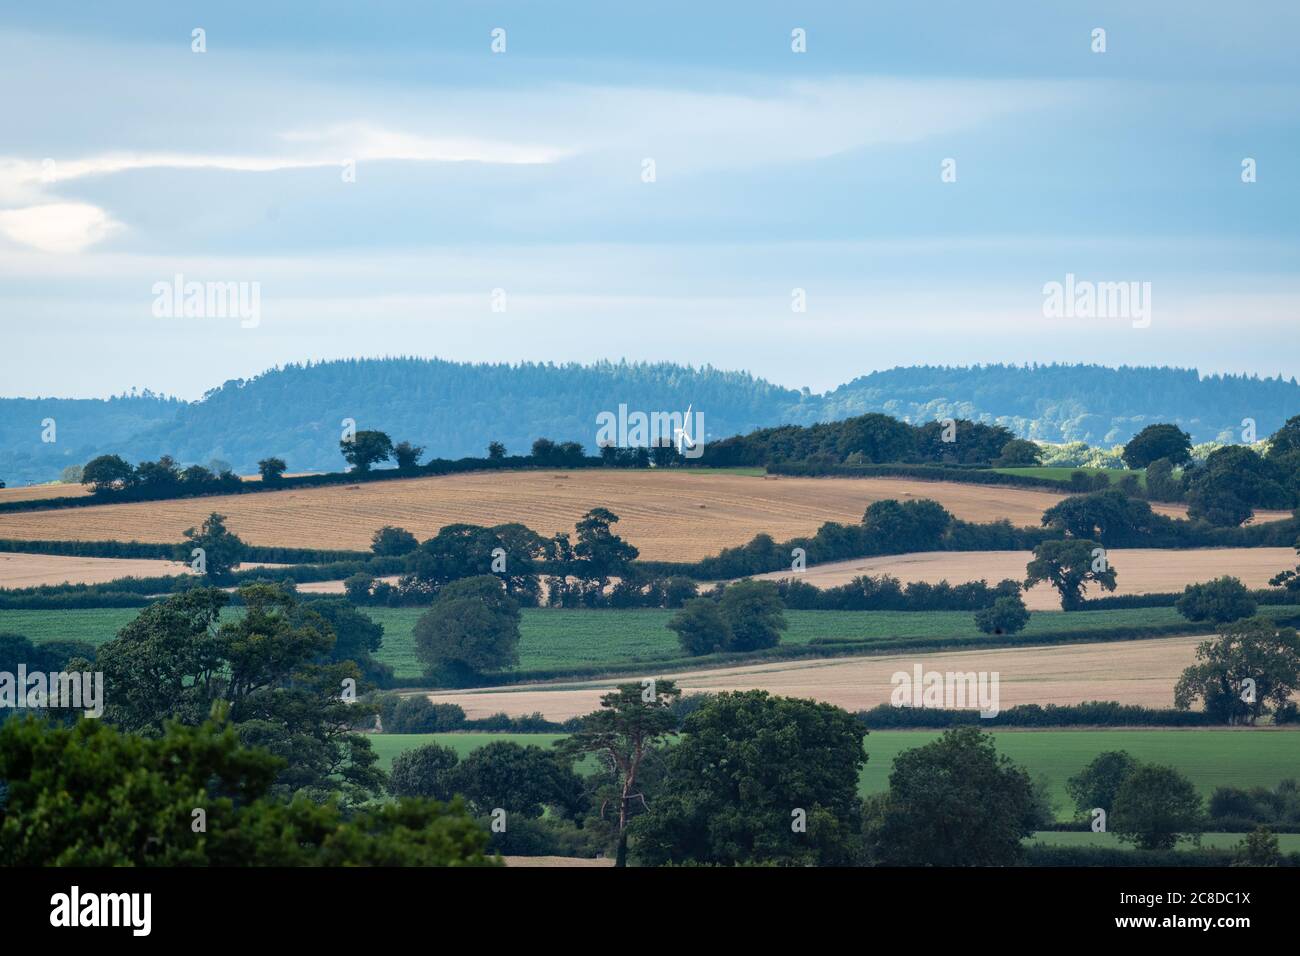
57	227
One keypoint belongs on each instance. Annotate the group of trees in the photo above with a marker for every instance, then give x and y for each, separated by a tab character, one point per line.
163	478
1149	805
869	439
1232	482
745	616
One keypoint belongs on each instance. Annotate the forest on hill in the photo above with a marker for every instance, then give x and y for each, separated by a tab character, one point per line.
454	409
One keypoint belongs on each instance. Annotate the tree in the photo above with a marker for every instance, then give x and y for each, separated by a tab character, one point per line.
407	455
757	779
391	542
1154	807
544	451
496	451
1255	650
472	628
1286	440
270	667
1019	453
1008	615
1219	601
876	437
754	614
1069	566
107	473
357	587
700	627
632	720
1109	516
1097	784
423	772
916	525
1162	485
954	802
220	550
271	469
366	448
92	796
1259	848
357	637
72	475
1234	481
1158	441
521	780
603	553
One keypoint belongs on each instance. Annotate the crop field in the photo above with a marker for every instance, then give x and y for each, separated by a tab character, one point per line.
35	492
679	515
21	570
1209	758
560	639
1139	570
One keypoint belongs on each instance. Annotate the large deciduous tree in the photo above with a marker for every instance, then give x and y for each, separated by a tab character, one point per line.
1069	566
758	779
1252	666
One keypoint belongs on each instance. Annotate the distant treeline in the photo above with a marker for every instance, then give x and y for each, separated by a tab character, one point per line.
1093	713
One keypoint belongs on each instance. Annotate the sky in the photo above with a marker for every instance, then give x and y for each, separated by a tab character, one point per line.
666	181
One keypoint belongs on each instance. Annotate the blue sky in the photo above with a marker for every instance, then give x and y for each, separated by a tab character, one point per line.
127	159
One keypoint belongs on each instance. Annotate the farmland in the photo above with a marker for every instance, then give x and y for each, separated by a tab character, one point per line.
1139	570
1131	672
1209	758
559	640
679	515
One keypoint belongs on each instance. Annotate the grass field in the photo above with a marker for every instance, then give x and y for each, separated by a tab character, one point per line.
555	639
671	515
1209	758
1287	842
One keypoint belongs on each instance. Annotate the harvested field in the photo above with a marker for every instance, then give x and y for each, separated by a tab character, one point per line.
1131	672
36	492
1139	570
32	570
669	515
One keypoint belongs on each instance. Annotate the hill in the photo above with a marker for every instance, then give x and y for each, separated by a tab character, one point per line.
454	409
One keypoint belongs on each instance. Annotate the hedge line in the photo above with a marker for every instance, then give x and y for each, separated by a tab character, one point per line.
439	466
1090	714
1262	596
167	552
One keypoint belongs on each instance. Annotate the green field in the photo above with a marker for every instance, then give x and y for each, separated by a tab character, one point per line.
1209	758
1287	842
557	640
1062	474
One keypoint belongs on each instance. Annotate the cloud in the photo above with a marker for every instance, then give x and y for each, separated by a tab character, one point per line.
66	227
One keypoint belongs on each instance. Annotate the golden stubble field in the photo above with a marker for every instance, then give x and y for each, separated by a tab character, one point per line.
669	515
1131	672
1138	570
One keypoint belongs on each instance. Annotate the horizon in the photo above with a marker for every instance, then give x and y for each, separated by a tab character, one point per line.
137	391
